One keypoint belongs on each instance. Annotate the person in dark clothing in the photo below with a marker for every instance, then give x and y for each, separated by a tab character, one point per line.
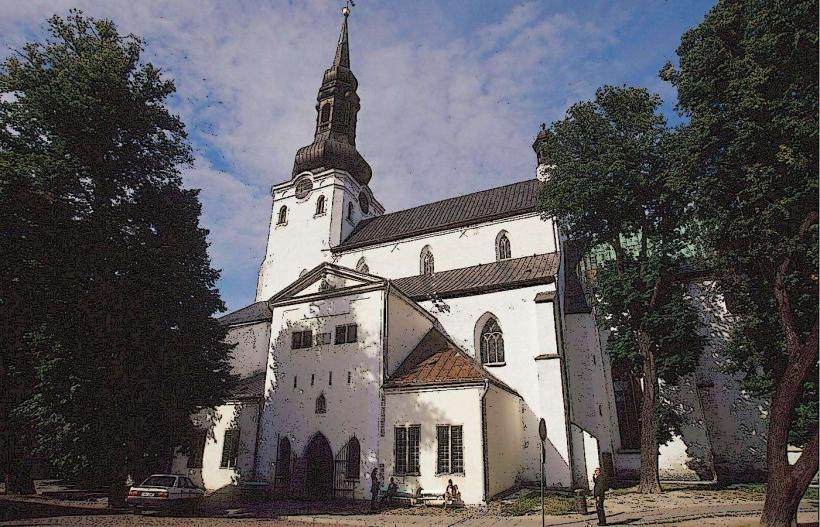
599	489
374	489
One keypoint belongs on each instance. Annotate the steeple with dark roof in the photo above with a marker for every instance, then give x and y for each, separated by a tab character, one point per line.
337	107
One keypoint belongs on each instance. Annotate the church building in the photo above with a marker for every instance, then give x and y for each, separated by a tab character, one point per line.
425	343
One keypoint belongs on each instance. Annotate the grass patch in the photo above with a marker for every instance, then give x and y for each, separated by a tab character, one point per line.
553	505
760	488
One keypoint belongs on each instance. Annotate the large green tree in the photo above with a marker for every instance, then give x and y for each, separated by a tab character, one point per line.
748	83
108	301
611	185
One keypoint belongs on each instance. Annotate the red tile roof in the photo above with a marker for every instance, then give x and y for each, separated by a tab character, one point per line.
437	361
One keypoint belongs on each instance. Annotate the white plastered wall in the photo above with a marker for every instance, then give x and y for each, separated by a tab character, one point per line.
455	248
352	408
251	352
407	325
454	406
504	439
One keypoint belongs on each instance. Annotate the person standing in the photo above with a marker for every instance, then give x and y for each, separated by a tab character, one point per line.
599	489
374	489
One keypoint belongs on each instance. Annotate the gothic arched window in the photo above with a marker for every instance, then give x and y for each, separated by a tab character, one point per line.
320	205
502	246
428	263
283	460
362	266
491	342
283	215
350	211
354	459
321	404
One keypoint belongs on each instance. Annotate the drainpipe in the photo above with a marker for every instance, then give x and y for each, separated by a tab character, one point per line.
484	449
260	405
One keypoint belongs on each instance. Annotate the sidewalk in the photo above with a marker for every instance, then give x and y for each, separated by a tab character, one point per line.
476	518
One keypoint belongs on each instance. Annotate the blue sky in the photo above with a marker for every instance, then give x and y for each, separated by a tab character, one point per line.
452	91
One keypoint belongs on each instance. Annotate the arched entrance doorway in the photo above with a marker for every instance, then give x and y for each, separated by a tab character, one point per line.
319	469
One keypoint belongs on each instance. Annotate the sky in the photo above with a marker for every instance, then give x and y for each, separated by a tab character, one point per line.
452	92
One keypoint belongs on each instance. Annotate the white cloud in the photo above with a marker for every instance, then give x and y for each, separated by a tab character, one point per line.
443	112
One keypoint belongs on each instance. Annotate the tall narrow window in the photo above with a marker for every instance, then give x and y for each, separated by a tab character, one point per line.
406	449
350	211
230	448
283	215
502	246
362	266
197	449
450	458
325	115
320	205
491	343
427	261
321	404
354	459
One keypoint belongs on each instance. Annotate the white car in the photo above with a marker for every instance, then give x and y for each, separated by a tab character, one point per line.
165	491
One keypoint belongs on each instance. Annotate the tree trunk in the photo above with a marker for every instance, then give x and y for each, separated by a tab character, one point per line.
786	484
650	481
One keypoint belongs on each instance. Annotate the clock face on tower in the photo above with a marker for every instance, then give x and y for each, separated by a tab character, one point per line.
303	188
364	203
543	171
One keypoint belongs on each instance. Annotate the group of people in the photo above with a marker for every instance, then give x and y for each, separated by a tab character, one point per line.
452	494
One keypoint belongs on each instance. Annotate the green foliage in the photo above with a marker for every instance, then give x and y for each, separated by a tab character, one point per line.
110	286
748	83
612	184
554	504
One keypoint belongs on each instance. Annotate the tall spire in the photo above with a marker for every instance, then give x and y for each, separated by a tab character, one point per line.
342	57
337	107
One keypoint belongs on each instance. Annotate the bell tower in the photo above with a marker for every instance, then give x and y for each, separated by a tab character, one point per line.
327	193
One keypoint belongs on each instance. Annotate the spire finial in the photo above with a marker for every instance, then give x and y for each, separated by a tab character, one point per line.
342	57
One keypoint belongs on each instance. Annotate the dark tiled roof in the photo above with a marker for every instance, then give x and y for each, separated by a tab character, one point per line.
249	388
574	297
484	278
252	313
437	361
469	209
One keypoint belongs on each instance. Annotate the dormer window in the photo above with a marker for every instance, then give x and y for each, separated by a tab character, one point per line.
320	205
282	218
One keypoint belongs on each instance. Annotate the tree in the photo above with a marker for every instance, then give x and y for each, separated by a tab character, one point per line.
747	82
112	278
611	186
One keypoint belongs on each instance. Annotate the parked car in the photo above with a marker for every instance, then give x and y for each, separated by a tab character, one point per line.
166	492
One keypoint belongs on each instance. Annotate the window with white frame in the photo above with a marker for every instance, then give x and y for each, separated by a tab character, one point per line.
406	449
450	458
491	343
428	262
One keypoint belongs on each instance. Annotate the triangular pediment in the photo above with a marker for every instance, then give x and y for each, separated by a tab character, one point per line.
326	279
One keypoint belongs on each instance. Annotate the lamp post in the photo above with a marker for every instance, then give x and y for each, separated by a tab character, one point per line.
542	432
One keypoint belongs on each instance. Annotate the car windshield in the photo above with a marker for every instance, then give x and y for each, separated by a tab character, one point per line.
159	481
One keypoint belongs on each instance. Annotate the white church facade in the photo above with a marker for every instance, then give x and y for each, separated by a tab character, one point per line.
427	343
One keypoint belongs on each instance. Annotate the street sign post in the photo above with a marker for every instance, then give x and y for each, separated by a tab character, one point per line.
542	433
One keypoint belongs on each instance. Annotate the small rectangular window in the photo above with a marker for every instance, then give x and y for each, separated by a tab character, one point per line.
294	381
301	339
322	339
312	378
330	378
230	448
348	377
346	333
